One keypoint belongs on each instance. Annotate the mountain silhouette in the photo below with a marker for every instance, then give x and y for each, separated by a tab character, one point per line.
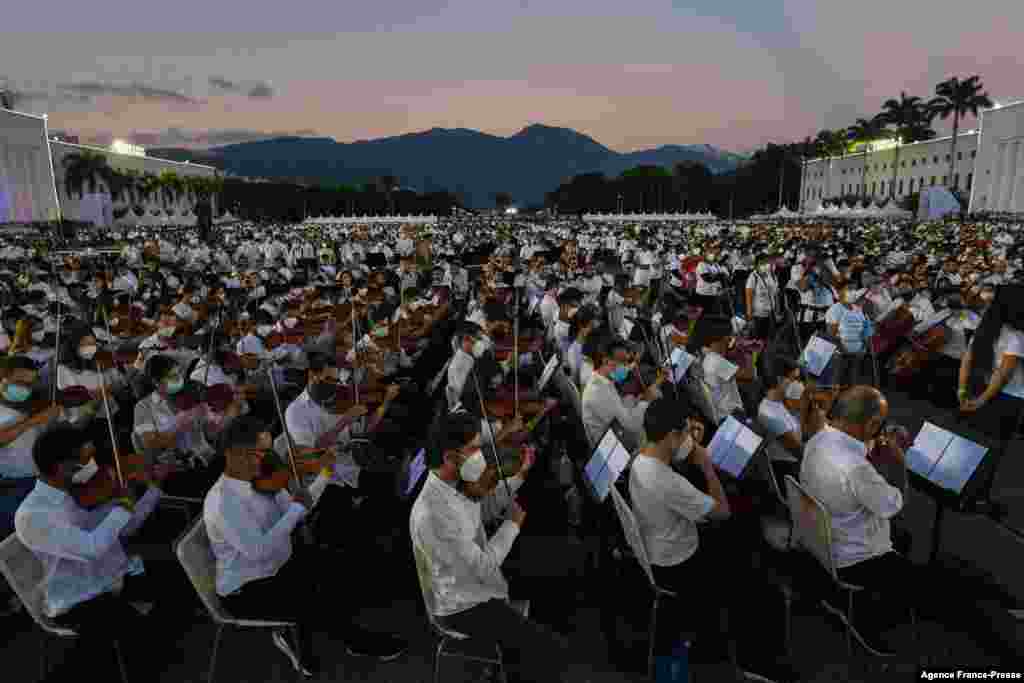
469	163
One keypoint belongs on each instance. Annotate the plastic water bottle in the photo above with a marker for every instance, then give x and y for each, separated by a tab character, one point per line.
674	668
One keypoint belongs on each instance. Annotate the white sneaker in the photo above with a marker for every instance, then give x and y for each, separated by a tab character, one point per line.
282	644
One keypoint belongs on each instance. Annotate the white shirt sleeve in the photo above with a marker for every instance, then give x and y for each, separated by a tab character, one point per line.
240	533
874	492
39	533
484	562
687	500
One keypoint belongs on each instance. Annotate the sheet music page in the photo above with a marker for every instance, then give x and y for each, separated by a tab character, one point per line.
740	451
721	442
931	322
597	468
816	355
549	370
680	361
723	368
416	469
618	460
958	463
927	449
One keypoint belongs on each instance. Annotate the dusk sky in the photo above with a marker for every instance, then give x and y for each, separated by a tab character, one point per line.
632	74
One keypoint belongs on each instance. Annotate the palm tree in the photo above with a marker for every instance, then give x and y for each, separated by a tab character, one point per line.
832	143
171	187
958	98
82	169
909	116
867	131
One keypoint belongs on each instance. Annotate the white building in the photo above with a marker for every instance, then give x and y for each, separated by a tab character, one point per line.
891	168
27	193
1000	164
989	166
84	207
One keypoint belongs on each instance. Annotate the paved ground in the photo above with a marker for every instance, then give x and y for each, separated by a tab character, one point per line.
819	645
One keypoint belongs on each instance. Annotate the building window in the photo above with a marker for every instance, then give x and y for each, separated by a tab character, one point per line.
956	181
913	162
935	159
873	187
974	153
970	177
901	186
944	180
933	180
959	156
903	164
947	157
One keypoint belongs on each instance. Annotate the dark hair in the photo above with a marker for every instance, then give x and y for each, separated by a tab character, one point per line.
610	346
775	368
711	329
449	432
1007	308
242	432
583	317
56	445
12	363
318	360
664	416
159	367
70	343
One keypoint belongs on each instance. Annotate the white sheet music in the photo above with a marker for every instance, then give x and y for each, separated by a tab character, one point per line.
606	464
680	361
549	370
816	355
733	445
416	469
944	458
931	322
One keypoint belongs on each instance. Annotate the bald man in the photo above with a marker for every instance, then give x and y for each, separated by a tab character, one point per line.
836	471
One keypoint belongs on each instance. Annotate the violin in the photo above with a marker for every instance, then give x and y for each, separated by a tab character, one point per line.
912	360
275	474
103	487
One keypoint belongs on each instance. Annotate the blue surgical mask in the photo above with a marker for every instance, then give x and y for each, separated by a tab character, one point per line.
619	374
17	393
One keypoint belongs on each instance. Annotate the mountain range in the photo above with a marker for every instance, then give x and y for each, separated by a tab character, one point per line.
472	164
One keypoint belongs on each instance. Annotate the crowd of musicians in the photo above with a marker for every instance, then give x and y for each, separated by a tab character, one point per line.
288	385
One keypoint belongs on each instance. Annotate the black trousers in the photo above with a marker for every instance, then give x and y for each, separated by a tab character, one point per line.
903	584
531	653
720	575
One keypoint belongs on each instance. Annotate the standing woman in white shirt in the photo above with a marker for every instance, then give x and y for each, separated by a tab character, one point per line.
991	388
711	278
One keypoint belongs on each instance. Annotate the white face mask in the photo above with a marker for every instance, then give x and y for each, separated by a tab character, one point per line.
684	450
794	390
473	468
86	473
264	330
87	352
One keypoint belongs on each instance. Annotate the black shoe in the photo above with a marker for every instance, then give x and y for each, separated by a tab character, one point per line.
875	643
384	648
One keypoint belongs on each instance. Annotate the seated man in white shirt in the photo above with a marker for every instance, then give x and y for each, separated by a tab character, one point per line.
469	594
258	576
667	509
89	582
836	471
601	402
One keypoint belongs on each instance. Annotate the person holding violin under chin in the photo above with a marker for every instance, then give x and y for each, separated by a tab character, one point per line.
21	422
601	401
89	581
259	573
170	427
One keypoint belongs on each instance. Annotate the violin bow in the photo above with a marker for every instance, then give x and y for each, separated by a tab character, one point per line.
284	424
515	351
56	355
490	428
355	349
110	426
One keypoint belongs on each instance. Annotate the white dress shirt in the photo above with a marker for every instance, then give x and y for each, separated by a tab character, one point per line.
667	509
720	378
602	405
80	549
154	414
250	532
458	374
308	422
16	457
776	418
835	470
449	528
67	377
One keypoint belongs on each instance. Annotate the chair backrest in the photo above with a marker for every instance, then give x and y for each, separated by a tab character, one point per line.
812	524
426	578
631	529
24	573
196	557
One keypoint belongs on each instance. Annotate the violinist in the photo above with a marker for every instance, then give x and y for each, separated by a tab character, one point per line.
169	432
786	391
89	581
602	403
311	419
170	329
469	346
78	368
21	423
